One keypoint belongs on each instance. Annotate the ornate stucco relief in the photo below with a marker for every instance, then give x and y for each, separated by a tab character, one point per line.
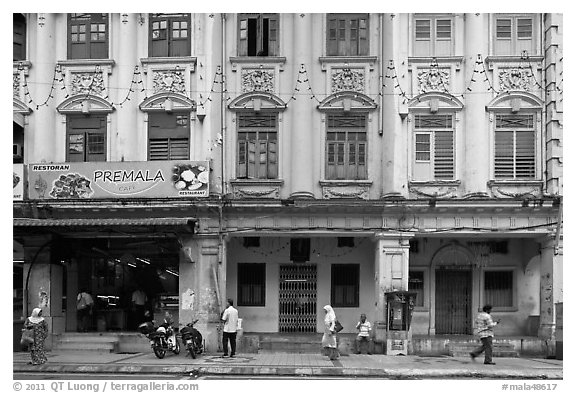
16	86
439	192
169	81
87	83
335	192
257	80
347	79
433	79
514	79
257	192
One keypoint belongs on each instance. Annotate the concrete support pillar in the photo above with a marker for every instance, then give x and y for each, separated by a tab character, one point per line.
391	267
550	286
476	130
124	136
301	131
43	284
200	287
44	146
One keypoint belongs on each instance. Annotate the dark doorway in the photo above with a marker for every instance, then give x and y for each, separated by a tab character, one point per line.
453	301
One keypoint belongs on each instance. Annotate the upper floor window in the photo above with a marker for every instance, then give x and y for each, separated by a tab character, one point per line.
433	36
515	34
514	147
168	136
433	147
86	138
258	35
19	42
257	156
87	36
169	35
347	35
346	147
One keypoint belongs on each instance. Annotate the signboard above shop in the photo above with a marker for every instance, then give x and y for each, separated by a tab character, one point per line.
138	179
18	181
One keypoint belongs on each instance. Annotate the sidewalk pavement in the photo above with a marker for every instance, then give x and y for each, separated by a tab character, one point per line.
292	364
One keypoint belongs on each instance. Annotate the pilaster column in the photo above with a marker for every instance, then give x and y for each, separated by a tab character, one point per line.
44	118
391	266
302	126
550	286
43	283
200	286
477	129
125	135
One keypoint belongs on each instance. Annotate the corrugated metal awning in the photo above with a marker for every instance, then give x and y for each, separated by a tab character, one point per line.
71	222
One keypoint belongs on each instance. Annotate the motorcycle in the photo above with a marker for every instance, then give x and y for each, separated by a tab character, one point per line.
162	338
192	339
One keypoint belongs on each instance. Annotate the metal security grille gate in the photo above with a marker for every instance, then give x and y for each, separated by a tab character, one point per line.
297	299
453	301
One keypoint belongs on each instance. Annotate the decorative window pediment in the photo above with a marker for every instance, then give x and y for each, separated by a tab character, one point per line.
20	107
515	102
347	101
85	104
168	102
256	102
434	102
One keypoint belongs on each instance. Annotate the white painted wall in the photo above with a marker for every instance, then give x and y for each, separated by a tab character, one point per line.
265	319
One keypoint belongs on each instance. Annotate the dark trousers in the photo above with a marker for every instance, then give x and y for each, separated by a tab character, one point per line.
486	347
229	337
84	319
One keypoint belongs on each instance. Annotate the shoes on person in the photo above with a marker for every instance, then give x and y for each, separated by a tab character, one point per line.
357	353
224	356
491	363
368	353
232	356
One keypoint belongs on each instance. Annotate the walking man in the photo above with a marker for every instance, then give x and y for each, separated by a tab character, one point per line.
364	329
230	319
485	328
84	304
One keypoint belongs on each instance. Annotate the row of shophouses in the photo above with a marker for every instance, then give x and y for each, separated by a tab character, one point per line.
288	161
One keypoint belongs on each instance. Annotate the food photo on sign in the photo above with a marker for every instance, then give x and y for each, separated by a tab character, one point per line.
119	180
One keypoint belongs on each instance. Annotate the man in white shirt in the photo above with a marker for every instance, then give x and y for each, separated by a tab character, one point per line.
364	328
84	304
139	300
230	319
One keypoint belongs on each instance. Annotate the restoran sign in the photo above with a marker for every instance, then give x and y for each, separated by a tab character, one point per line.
93	180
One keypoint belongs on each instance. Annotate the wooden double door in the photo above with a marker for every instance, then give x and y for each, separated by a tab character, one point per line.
453	301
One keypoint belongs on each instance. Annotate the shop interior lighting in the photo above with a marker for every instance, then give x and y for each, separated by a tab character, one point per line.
131	264
146	261
172	273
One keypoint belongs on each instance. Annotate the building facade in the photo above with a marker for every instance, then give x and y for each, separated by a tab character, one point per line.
289	161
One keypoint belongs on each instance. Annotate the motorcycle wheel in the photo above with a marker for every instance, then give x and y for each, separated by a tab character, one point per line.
159	352
176	349
192	351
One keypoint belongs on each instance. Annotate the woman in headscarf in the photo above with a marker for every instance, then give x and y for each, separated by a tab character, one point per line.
37	323
329	337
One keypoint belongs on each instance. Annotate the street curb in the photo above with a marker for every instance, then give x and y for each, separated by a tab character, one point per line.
397	373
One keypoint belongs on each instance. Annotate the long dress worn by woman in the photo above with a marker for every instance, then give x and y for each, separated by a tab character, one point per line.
329	337
37	323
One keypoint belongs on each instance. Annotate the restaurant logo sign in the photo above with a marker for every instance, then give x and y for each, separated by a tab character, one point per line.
93	180
18	181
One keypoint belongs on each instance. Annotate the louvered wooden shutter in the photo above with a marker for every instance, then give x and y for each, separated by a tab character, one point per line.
242	159
423	37
524	36
272	159
251	159
363	30
443	41
503	44
443	155
504	155
273	49
525	155
242	35
332	40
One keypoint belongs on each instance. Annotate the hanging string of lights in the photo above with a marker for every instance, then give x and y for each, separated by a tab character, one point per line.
302	79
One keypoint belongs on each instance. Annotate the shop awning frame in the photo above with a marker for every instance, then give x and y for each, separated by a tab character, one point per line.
100	222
